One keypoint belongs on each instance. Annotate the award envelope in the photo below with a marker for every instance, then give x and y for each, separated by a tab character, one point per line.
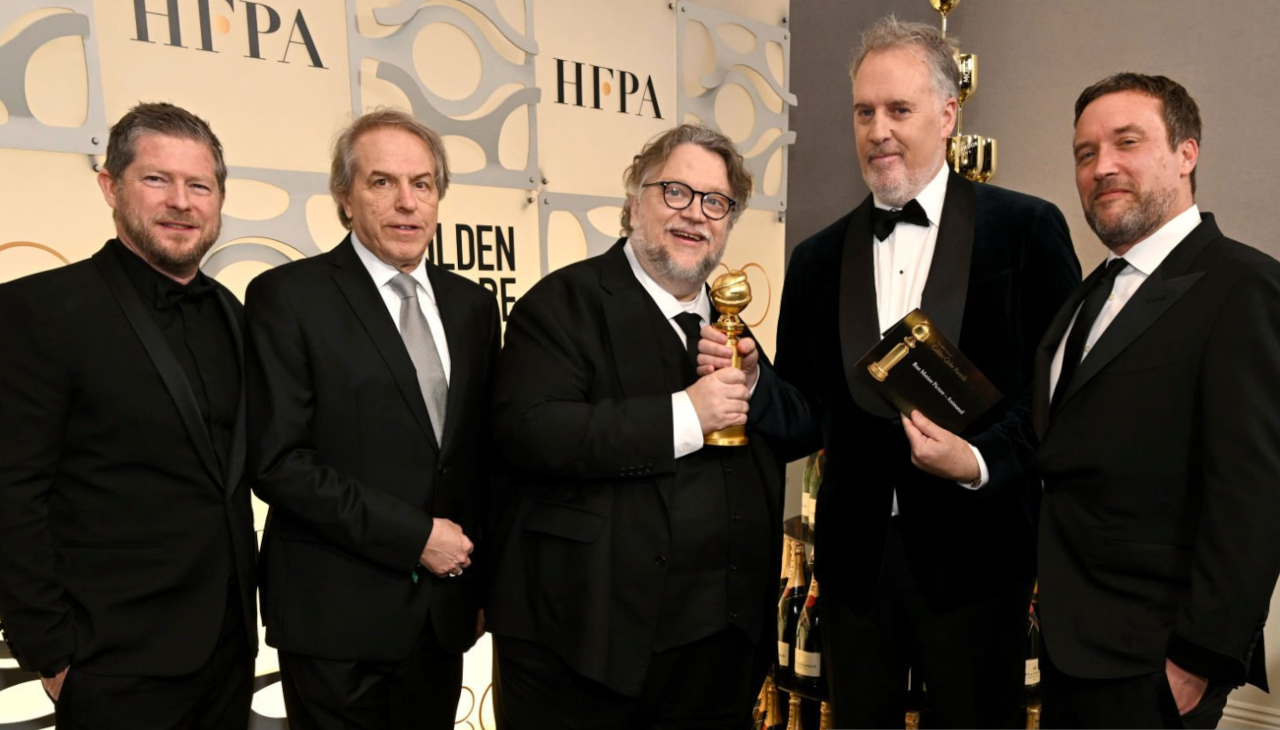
915	367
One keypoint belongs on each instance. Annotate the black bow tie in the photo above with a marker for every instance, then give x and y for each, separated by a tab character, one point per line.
170	296
883	221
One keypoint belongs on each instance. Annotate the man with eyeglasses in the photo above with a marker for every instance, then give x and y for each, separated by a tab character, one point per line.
635	565
126	534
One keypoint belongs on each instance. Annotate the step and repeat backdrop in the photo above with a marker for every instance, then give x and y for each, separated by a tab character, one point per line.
542	104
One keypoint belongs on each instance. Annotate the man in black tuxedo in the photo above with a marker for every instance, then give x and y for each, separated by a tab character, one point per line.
126	536
1158	406
636	576
369	379
924	538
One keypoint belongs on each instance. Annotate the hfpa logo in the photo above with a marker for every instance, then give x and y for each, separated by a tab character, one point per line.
570	74
260	20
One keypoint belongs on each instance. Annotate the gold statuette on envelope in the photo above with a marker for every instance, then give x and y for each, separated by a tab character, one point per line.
915	367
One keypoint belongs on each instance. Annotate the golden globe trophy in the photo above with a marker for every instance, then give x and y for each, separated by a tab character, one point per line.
731	293
944	7
971	155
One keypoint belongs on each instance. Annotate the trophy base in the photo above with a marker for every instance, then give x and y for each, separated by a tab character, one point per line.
731	436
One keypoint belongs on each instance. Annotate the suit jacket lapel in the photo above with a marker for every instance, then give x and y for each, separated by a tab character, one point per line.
1048	348
1166	285
857	316
353	280
175	381
947	286
460	345
629	314
235	459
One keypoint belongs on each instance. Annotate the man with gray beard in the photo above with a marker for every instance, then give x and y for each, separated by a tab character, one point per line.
1158	409
924	538
635	564
126	536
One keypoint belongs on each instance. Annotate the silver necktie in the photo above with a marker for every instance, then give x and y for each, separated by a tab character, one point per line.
421	345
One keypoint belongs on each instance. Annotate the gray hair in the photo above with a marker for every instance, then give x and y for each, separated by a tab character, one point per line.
938	52
342	171
160	118
656	151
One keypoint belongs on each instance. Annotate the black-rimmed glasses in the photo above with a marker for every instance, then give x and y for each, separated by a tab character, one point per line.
679	196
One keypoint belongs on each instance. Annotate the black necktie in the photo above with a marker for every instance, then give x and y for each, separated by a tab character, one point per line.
691	325
884	220
1073	353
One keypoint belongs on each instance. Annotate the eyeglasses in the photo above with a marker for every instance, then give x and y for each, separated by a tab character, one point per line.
679	196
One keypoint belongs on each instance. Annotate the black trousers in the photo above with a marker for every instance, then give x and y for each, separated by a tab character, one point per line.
971	659
705	685
215	697
418	693
1145	701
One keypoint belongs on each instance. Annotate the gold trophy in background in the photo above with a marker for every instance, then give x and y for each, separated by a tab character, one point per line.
731	293
944	7
971	155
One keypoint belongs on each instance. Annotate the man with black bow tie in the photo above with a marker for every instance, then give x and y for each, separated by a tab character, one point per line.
924	537
126	536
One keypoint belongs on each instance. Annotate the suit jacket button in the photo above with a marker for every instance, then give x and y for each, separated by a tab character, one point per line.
443	470
660	560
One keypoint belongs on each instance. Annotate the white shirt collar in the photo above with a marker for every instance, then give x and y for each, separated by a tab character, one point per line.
381	272
1148	254
931	198
666	301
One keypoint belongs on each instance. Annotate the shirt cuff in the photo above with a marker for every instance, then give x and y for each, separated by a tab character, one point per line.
984	476
685	425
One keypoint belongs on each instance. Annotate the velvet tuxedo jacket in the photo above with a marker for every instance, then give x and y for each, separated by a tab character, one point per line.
1161	467
583	421
1002	266
343	450
119	525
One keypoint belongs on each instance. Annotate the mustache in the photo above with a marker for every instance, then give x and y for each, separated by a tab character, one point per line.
884	149
1109	185
700	230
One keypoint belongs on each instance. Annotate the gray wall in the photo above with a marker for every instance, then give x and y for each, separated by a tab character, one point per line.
1034	58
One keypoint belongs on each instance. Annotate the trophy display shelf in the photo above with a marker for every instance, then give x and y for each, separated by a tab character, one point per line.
795	528
789	685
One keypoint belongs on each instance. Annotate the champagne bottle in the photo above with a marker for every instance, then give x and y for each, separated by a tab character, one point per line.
1031	681
808	666
819	466
826	722
789	609
786	567
793	713
773	717
782	670
761	709
806	495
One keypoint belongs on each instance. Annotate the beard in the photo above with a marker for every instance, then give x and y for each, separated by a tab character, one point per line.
1149	211
173	260
661	260
898	187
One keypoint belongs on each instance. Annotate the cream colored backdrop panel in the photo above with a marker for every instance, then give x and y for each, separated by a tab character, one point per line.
537	172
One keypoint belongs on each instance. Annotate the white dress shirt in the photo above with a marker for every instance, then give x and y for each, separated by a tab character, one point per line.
1143	259
902	263
684	419
382	273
